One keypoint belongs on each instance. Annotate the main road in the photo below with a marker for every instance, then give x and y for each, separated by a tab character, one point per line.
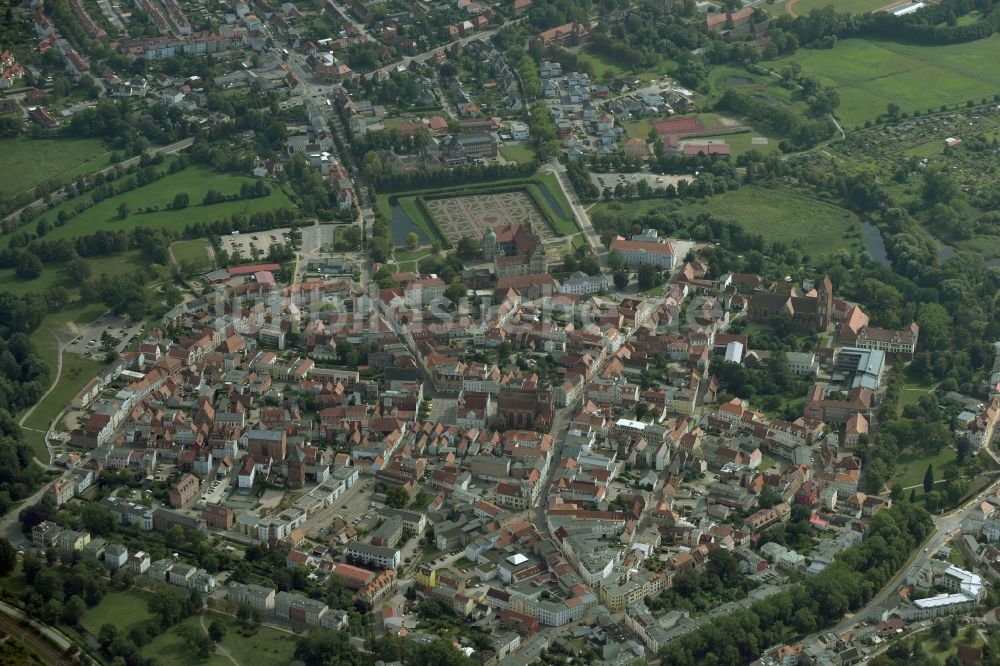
946	526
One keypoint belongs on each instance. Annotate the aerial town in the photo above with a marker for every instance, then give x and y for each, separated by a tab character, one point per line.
409	332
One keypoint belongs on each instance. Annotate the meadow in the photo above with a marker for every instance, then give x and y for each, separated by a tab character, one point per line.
813	226
869	75
605	66
53	274
29	162
196	181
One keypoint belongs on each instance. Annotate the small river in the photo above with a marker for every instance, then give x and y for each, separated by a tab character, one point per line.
875	244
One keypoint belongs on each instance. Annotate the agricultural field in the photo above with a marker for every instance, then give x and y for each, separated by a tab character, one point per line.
29	162
869	75
196	181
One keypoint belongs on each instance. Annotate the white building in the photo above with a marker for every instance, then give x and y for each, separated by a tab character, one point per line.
581	283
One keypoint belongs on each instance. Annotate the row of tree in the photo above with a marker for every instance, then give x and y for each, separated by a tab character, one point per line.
854	577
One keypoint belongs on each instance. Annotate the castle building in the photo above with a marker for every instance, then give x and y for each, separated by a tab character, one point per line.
514	249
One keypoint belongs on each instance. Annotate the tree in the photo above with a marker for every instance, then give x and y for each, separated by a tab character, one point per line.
181	201
397	497
455	291
29	266
641	409
929	479
616	261
620	279
938	187
77	269
328	648
468	248
216	631
647	276
123	210
73	610
892	109
412	240
8	557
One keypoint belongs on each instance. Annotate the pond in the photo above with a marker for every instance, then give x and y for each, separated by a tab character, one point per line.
875	244
402	225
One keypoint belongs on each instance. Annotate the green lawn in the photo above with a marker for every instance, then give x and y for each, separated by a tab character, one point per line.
196	181
762	86
411	255
194	252
869	75
813	226
637	129
517	152
28	162
122	608
603	64
267	646
173	648
930	645
911	467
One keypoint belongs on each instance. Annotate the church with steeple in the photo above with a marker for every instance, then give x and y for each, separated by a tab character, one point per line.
514	249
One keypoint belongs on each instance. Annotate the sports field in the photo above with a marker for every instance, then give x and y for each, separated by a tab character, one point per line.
196	181
193	252
802	7
870	75
28	162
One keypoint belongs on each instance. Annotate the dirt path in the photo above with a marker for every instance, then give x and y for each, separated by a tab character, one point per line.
60	346
219	650
789	4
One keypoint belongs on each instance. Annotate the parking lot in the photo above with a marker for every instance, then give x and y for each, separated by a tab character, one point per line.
87	341
613	179
243	245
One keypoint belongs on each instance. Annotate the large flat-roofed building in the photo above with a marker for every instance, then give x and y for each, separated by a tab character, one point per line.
370	555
